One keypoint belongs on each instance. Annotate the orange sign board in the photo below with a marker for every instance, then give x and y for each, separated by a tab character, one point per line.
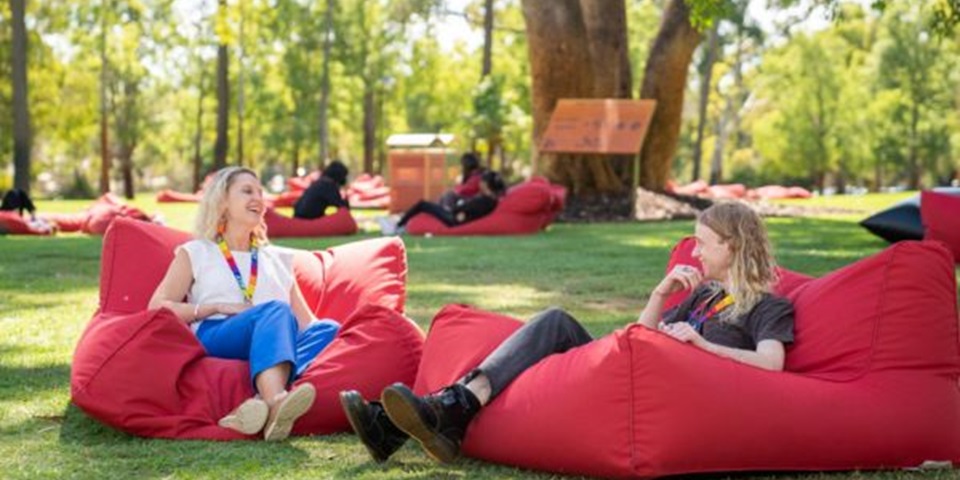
610	126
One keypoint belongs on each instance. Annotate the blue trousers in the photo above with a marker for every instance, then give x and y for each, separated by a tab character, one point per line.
266	335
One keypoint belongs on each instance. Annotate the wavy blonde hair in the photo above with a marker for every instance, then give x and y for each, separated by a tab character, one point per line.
753	268
213	205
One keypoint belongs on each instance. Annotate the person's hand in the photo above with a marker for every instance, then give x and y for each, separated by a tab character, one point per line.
684	332
682	277
231	309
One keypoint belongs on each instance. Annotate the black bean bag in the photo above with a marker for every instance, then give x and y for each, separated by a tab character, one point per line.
902	220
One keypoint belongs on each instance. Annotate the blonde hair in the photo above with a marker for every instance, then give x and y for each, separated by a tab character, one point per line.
753	268
213	205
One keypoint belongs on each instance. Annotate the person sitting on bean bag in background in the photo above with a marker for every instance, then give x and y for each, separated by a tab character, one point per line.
18	200
465	211
471	174
243	303
323	193
731	313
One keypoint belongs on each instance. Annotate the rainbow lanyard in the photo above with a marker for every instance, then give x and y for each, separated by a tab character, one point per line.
248	290
699	316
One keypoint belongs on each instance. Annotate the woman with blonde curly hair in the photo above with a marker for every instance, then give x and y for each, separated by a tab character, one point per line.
242	302
730	312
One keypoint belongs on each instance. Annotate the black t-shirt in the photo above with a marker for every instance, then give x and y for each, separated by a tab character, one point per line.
770	319
317	197
474	208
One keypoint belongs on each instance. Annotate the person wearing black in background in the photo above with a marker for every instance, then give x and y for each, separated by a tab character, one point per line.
323	193
469	186
465	211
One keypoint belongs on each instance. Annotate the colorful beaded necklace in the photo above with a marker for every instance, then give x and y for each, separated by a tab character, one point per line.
248	290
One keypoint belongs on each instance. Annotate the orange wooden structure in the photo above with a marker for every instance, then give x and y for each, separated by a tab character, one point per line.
417	168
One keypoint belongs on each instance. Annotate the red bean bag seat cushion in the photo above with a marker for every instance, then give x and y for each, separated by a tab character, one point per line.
67	222
104	212
173	196
870	383
281	226
526	208
286	199
939	214
11	223
145	373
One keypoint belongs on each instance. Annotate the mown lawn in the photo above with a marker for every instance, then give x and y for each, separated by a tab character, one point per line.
601	272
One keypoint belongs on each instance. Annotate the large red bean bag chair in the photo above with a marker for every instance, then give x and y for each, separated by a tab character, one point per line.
691	189
727	191
281	226
939	214
11	223
102	214
67	222
299	184
145	373
525	209
286	199
870	383
173	196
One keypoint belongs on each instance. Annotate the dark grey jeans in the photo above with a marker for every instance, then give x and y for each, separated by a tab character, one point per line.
550	331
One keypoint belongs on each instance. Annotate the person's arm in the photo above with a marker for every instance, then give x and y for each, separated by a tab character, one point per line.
173	288
769	355
682	277
474	208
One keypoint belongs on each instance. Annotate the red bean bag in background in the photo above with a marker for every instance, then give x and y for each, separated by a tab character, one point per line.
525	209
172	196
67	222
286	199
11	223
339	223
939	214
145	373
871	383
299	184
733	190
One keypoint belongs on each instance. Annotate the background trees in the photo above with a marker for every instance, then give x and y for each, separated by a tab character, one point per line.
867	99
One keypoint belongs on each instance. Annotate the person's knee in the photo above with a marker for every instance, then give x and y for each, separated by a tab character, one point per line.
277	311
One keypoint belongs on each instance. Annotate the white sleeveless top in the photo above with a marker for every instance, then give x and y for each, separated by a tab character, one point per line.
213	281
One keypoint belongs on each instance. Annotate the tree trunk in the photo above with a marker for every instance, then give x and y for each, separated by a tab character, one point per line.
223	101
240	90
706	80
369	126
22	134
198	134
104	126
913	161
665	80
325	86
561	67
487	38
716	164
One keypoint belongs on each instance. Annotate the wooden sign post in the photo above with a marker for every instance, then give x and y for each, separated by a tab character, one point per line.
600	126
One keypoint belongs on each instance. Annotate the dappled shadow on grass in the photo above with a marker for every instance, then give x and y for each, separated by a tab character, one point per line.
20	382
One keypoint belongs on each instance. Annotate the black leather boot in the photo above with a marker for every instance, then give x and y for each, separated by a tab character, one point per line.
371	424
438	421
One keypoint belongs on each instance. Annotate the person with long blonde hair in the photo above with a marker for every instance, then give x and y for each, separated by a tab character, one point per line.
238	295
730	312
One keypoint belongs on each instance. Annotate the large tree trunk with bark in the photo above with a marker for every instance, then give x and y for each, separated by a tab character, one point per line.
198	135
561	67
665	80
487	66
105	156
22	135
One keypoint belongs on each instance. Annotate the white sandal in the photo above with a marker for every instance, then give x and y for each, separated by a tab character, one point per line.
248	418
297	402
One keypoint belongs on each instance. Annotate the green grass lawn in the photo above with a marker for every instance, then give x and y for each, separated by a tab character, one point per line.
600	272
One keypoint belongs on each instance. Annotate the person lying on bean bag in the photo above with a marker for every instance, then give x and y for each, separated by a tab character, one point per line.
492	188
731	312
242	302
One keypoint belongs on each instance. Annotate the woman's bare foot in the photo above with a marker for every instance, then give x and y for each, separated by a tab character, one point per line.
285	409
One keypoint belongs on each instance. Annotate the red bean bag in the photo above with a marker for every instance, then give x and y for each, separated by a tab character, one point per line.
172	196
145	373
299	184
105	211
67	222
870	383
11	223
733	190
691	189
286	199
339	223
939	214
525	209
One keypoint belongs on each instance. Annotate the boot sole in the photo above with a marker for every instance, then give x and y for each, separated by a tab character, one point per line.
353	408
400	406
